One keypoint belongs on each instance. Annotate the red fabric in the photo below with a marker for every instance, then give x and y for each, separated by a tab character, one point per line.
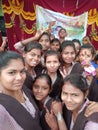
68	7
0	38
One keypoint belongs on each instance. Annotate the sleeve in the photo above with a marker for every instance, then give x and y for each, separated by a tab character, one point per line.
19	46
91	126
7	122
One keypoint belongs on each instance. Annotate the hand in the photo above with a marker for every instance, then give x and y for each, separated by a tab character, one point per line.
51	120
56	107
38	34
91	108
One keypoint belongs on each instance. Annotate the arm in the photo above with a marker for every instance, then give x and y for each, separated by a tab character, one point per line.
2	47
57	109
20	45
91	108
51	120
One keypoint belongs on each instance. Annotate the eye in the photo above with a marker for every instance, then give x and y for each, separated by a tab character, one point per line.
33	54
11	72
44	88
39	56
36	86
74	95
64	93
23	71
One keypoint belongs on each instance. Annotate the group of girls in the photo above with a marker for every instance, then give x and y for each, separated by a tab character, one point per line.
58	84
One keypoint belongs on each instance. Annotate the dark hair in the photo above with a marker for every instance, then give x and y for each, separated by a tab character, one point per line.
96	58
7	56
32	45
45	33
88	46
55	40
78	81
61	30
51	52
67	43
44	76
76	40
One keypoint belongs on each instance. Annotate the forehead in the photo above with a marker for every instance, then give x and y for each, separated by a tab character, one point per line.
85	50
14	64
55	42
50	57
41	81
35	50
44	37
69	88
76	44
68	48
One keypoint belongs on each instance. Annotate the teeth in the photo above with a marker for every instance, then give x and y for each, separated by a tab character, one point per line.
34	62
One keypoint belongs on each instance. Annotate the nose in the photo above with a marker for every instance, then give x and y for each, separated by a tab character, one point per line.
68	98
36	57
19	76
69	55
39	90
52	64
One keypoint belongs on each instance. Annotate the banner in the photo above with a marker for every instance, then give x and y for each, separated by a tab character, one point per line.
76	26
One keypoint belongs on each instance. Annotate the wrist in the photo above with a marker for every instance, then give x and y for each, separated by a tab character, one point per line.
59	116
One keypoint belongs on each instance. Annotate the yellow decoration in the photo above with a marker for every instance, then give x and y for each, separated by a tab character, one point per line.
17	8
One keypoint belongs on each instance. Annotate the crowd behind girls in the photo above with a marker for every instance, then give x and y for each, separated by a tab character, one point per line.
53	81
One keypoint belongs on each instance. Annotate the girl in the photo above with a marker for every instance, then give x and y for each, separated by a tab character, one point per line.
68	54
16	102
62	35
86	55
32	56
52	63
41	89
55	44
42	38
77	45
74	95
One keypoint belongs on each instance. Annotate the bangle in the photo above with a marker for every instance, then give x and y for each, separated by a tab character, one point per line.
59	116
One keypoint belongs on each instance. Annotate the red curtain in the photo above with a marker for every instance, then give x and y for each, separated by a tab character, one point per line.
0	38
20	16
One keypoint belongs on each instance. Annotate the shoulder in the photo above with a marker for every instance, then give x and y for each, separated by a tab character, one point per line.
93	117
91	126
77	68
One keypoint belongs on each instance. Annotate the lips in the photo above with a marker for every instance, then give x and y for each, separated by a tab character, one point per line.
18	85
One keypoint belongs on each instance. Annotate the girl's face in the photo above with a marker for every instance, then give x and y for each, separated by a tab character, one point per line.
62	34
72	97
85	55
77	46
41	89
33	57
52	63
45	42
68	55
12	76
55	46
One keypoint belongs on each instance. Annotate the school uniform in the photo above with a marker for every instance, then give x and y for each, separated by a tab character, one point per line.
56	85
47	104
93	90
29	79
74	68
82	122
16	116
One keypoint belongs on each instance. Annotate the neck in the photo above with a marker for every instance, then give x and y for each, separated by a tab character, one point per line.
61	39
15	94
52	74
30	69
